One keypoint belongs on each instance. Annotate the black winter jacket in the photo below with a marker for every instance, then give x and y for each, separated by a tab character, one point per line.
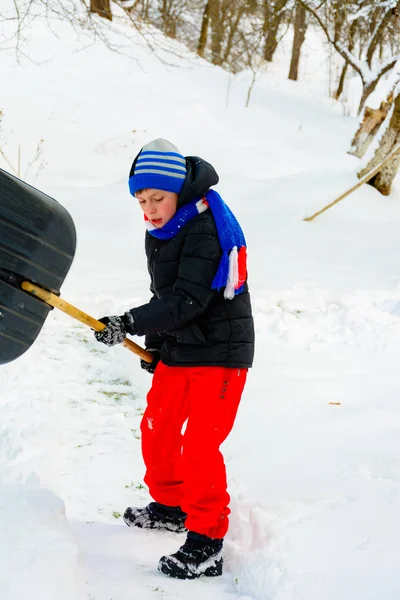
192	324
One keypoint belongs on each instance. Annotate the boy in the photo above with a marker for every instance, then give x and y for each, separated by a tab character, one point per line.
199	328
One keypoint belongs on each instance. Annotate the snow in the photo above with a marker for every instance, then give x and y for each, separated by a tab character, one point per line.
313	460
37	552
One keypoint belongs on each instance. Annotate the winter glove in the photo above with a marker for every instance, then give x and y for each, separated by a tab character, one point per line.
114	333
116	329
151	367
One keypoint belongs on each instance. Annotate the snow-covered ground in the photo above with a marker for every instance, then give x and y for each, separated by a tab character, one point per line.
315	485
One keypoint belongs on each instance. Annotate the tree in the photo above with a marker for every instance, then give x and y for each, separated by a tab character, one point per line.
385	18
340	21
218	9
371	123
79	14
172	14
389	140
201	46
298	39
101	8
273	14
233	26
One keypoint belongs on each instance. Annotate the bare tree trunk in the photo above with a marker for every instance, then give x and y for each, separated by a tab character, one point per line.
390	140
373	119
352	33
146	10
299	37
339	11
234	25
168	19
201	46
342	79
217	31
272	20
367	91
380	27
101	8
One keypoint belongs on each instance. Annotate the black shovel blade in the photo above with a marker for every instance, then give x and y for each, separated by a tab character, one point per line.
37	243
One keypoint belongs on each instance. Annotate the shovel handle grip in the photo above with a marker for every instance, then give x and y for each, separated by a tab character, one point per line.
84	318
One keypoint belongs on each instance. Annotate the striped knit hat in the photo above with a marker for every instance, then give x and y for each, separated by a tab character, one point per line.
158	165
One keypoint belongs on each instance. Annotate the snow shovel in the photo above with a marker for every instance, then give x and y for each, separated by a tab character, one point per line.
37	247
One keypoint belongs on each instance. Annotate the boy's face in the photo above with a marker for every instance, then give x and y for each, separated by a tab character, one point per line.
159	206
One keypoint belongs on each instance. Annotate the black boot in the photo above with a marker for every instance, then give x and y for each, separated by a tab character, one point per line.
156	516
199	555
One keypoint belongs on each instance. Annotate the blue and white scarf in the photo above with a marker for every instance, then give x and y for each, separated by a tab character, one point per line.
232	269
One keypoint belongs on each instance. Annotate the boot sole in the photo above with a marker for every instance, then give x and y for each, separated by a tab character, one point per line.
173	570
160	527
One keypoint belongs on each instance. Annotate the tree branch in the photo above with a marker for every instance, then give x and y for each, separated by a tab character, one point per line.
379	32
344	52
389	65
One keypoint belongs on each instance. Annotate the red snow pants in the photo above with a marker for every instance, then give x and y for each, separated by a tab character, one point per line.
184	466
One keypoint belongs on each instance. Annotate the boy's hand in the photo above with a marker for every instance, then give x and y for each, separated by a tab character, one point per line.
151	367
116	329
114	332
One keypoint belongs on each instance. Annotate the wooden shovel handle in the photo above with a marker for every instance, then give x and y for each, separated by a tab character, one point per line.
74	312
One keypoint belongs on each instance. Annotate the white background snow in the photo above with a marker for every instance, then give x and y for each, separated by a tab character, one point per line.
315	485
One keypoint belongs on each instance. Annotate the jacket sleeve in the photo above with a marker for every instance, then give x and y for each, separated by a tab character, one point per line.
153	341
191	293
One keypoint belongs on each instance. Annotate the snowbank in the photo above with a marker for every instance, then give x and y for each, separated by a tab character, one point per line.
38	557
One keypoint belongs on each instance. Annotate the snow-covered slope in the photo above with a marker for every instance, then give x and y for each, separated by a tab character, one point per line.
315	485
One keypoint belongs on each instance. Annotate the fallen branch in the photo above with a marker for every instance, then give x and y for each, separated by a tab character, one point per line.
365	179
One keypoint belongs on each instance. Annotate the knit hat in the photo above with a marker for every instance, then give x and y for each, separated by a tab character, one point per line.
158	165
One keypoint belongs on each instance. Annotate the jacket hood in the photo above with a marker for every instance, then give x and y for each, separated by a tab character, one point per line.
200	176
